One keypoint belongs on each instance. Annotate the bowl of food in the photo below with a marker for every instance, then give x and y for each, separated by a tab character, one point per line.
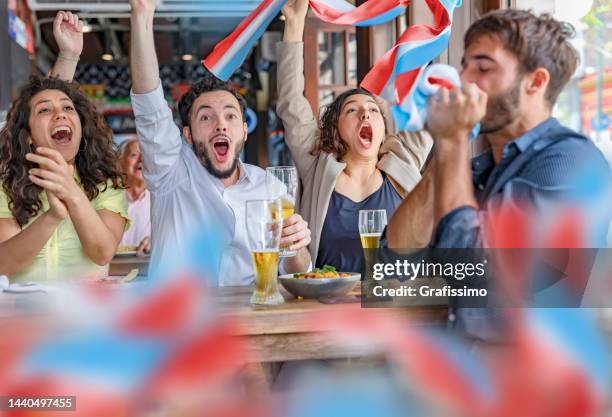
125	250
320	282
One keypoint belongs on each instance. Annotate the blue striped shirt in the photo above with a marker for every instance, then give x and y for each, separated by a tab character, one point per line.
546	167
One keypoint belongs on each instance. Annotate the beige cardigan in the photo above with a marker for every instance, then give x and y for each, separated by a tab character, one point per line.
401	156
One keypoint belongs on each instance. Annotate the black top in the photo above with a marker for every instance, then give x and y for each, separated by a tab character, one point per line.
340	244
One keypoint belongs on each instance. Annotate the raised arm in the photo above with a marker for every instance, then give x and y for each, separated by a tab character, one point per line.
143	59
451	118
292	107
68	33
159	137
295	17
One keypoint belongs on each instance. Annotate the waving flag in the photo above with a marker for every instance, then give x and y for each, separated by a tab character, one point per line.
394	77
434	78
371	13
397	74
229	54
553	363
160	342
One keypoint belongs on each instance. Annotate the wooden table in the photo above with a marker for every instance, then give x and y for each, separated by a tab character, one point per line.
285	333
122	265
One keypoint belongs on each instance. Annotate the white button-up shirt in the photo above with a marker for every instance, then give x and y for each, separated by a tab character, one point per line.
193	214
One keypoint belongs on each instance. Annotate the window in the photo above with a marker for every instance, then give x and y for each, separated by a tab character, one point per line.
585	104
337	64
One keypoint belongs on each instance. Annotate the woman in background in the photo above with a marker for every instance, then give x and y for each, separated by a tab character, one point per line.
138	236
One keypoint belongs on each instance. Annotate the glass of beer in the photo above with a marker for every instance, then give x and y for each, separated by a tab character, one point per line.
372	223
264	224
371	226
282	182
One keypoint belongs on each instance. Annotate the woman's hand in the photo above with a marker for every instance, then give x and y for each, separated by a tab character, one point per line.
295	10
295	16
68	33
54	174
144	248
143	7
57	209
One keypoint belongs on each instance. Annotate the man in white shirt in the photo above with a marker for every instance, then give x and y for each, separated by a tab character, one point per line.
200	183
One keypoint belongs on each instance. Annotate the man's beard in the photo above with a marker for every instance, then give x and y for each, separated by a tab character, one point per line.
502	109
202	153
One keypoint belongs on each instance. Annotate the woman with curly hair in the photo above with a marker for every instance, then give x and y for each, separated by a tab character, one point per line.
348	161
62	204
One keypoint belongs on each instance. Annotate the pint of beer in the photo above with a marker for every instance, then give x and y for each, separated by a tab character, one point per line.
264	224
370	240
372	223
281	182
266	274
288	207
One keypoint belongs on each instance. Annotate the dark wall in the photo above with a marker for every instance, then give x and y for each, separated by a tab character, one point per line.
5	64
21	67
15	63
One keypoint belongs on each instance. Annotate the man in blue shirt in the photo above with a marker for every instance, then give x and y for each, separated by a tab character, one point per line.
514	67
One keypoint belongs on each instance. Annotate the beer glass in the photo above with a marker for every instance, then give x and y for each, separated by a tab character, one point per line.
281	182
264	224
371	226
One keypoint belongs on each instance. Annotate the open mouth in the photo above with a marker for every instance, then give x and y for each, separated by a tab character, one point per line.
221	146
62	135
365	135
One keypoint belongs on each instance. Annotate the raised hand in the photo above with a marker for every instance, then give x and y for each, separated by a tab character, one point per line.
143	58
54	174
140	7
453	114
68	33
295	10
295	14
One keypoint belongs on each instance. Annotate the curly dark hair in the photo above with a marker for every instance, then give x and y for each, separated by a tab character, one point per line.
329	140
95	161
536	41
205	85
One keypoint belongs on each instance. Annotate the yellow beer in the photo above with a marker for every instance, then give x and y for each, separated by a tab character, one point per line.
265	263
370	240
288	208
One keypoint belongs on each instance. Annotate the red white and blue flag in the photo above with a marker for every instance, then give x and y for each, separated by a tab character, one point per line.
394	77
229	54
397	74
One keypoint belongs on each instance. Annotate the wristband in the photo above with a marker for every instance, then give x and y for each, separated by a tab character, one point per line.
66	58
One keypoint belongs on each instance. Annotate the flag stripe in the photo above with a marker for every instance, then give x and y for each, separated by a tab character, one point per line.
229	54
